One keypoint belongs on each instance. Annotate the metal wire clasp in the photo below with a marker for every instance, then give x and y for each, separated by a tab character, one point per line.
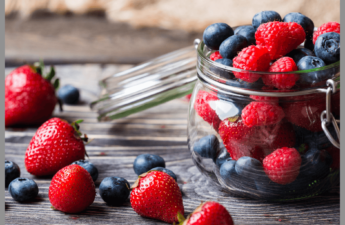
327	117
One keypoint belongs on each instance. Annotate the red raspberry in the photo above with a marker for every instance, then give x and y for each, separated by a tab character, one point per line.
279	37
262	113
253	58
325	28
264	98
281	81
282	166
215	55
204	110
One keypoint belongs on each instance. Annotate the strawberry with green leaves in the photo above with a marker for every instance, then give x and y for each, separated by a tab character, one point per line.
156	195
55	145
29	96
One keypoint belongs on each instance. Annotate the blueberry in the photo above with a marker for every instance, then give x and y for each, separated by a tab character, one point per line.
232	45
306	23
299	53
207	146
312	62
23	189
309	44
145	162
221	72
248	167
248	32
227	171
215	34
316	163
68	94
265	17
169	172
243	84
327	47
114	190
93	171
224	61
12	172
223	156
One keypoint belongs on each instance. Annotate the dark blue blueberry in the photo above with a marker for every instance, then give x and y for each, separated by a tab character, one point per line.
312	62
327	47
232	45
225	62
316	163
305	22
265	17
68	94
299	53
243	84
227	171
221	72
145	162
114	190
169	172
248	32
223	156
207	146
12	172
215	34
248	167
309	44
23	189
93	171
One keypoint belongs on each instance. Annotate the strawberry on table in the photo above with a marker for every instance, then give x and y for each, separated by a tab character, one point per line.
55	145
29	97
72	189
156	195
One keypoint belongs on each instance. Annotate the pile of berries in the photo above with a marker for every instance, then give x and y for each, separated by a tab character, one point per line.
272	145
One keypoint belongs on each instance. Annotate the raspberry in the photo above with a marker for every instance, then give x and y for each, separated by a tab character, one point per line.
325	28
282	166
253	58
204	110
262	113
281	81
264	98
215	55
279	37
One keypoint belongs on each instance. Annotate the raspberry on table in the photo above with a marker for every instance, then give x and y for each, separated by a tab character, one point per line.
204	110
262	114
282	166
215	55
253	58
282	81
326	28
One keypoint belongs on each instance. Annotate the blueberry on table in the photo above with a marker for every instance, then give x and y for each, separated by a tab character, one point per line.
215	34
306	23
248	32
114	190
23	189
169	172
145	162
265	17
12	172
232	45
93	171
327	47
299	53
68	94
311	62
207	146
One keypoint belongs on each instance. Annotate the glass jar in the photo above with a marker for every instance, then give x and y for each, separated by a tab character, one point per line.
261	142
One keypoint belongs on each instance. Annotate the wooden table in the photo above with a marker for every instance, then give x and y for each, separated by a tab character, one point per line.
160	130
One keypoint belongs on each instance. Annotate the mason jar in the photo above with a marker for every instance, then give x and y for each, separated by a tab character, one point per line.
256	141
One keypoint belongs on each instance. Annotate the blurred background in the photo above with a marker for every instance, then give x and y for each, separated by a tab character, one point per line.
129	31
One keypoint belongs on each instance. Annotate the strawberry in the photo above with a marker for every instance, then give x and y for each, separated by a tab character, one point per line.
55	145
72	189
29	97
279	37
156	195
208	213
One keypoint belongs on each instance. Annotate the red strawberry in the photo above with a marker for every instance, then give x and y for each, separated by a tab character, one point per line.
282	166
325	28
72	189
203	109
253	58
156	195
209	213
281	81
279	37
55	145
29	98
215	55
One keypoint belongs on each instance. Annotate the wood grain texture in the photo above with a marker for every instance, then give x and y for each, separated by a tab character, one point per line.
160	130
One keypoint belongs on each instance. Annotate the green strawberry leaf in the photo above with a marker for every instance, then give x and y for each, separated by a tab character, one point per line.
180	218
56	83
51	74
78	121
